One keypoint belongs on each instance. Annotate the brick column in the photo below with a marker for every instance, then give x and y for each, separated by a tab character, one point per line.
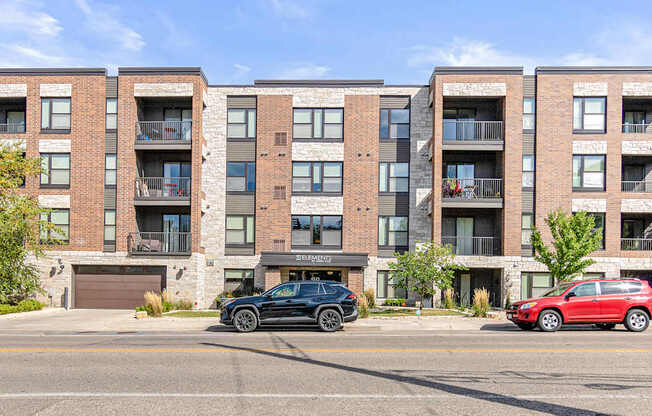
272	277
356	280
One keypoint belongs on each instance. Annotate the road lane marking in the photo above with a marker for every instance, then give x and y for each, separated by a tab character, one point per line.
325	350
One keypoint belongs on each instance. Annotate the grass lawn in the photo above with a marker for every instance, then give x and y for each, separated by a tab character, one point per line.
194	314
407	312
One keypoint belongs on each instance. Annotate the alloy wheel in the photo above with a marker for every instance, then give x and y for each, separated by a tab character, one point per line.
329	320
638	320
550	321
245	321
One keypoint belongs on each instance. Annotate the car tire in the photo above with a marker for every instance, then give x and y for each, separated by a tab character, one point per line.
606	327
549	321
526	326
245	320
329	320
637	320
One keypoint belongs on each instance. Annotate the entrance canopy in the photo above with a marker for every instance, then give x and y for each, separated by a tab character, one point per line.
314	259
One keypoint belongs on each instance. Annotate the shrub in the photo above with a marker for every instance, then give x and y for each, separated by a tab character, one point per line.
370	295
363	307
26	305
166	297
480	302
167	306
508	300
395	302
153	301
449	299
183	305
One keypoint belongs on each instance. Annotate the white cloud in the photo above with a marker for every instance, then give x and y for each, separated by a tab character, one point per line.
241	68
101	20
290	9
34	55
305	71
22	16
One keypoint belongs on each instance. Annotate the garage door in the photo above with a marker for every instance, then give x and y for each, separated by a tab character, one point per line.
113	290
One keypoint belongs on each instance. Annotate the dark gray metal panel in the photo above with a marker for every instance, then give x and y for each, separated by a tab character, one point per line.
314	259
394	101
528	201
109	198
320	83
111	87
489	146
593	69
528	144
240	204
241	251
526	251
394	205
161	145
529	86
52	71
244	151
473	203
109	248
394	151
385	253
240	102
181	70
111	142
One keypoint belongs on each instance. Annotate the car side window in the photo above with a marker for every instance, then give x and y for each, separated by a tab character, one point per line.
632	287
284	291
585	289
611	288
308	289
329	290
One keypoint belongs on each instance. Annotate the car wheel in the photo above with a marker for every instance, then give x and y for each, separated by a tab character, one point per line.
245	321
526	326
549	321
606	327
329	320
637	320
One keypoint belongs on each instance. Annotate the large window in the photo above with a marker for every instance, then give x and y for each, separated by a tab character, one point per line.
240	281
598	225
394	123
55	114
393	231
588	172
60	218
527	224
323	231
110	170
317	177
533	285
55	170
109	225
241	123
111	113
528	171
318	123
240	230
12	121
385	288
528	113
394	177
241	176
589	114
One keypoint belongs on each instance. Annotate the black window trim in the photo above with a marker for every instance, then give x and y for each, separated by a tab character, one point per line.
323	123
582	130
50	130
244	230
534	174
407	232
246	176
530	282
388	177
604	227
106	170
526	246
106	114
321	178
242	272
583	188
246	124
389	138
115	226
534	114
55	186
8	110
321	230
49	219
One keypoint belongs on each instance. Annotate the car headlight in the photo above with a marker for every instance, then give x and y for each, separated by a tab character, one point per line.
528	305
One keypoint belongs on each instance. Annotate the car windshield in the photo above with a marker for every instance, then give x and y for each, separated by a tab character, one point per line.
556	291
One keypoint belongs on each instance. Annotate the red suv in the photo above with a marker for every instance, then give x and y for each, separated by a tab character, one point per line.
604	302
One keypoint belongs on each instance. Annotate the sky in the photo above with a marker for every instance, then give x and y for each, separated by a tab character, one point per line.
236	42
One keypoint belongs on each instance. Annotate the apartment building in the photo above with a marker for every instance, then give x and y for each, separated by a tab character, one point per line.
160	179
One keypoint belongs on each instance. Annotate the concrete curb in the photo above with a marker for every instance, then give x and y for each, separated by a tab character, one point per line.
44	312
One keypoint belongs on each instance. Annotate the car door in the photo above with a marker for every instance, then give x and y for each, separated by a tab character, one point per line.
310	295
581	304
280	303
612	300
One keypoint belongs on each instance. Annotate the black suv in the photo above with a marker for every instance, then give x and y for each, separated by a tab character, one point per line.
305	302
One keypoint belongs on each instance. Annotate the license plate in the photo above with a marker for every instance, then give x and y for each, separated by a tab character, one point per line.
510	315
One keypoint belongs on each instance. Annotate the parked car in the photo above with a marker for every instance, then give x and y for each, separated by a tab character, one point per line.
604	302
306	302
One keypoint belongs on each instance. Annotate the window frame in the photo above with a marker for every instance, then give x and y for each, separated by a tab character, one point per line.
387	232
312	245
247	138
114	226
389	124
107	114
530	284
524	229
311	176
246	178
49	129
386	277
532	114
48	214
582	188
49	176
583	113
247	282
528	172
107	170
244	230
604	227
8	110
388	178
312	123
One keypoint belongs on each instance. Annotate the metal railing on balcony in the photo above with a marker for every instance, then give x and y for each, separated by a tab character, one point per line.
470	189
159	243
473	246
637	128
162	188
163	131
488	131
12	127
636	186
636	244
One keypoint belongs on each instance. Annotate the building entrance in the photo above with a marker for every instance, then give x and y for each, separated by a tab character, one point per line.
335	275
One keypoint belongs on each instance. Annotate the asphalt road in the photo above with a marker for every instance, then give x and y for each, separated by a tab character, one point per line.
497	372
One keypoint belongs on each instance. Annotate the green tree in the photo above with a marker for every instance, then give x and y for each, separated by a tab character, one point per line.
20	227
422	270
573	238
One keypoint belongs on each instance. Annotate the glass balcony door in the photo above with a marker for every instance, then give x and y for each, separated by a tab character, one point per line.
173	224
464	235
173	185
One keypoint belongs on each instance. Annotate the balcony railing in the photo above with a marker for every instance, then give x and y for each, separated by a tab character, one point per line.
163	131
637	128
489	131
636	244
12	127
636	186
472	188
473	246
162	188
159	243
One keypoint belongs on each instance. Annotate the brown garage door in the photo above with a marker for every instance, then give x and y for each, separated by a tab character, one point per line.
113	291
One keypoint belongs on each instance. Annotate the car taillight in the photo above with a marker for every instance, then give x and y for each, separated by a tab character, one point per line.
351	296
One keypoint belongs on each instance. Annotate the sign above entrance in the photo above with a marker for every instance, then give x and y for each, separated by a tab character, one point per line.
309	259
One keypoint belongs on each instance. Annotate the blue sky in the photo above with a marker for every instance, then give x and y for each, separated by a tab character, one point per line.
399	41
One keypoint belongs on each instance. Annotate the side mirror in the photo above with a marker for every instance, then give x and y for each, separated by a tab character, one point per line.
570	295
268	296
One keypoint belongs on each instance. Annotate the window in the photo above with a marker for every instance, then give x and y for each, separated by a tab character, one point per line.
12	122
634	122
309	289
241	123
527	223
279	192
528	171
317	177
612	288
528	113
585	289
591	276
240	230
394	177
393	231
60	218
534	285
598	224
109	225
110	170
55	114
317	230
55	170
395	123
111	113
385	288
241	176
589	114
588	172
240	281
318	123
284	291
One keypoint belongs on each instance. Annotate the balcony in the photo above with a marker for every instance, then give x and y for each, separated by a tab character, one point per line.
168	191
637	186
12	127
159	243
637	115
12	115
472	246
472	193
473	124
637	128
636	244
636	173
163	135
636	232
